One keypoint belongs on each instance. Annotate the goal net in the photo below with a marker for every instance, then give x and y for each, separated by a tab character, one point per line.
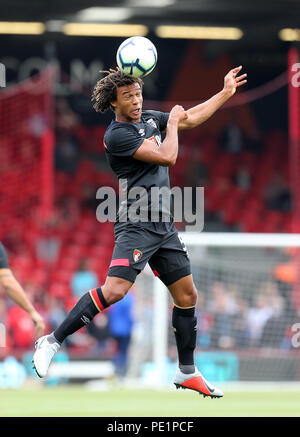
248	311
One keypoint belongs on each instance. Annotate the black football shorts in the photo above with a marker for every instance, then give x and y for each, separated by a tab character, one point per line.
136	246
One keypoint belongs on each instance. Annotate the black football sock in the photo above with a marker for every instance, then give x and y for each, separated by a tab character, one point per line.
185	329
82	313
52	339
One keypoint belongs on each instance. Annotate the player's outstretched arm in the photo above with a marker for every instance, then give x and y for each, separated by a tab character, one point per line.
202	112
15	291
166	154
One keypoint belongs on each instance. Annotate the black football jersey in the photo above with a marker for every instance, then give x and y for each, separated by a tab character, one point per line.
121	140
3	258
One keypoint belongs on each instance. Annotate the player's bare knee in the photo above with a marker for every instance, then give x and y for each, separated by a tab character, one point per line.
189	297
113	295
115	289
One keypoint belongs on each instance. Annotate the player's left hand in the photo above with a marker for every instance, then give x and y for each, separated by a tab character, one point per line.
39	324
232	81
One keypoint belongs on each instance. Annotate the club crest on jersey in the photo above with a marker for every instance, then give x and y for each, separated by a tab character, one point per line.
137	255
152	122
142	132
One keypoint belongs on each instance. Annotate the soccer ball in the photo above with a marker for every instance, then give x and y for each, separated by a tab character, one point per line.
137	56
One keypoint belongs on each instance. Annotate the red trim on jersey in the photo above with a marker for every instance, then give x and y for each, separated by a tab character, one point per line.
96	299
156	273
119	262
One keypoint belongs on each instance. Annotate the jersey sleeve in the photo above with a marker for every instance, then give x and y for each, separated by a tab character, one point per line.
122	141
3	258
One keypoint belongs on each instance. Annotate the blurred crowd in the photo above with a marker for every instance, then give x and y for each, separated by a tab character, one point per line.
229	320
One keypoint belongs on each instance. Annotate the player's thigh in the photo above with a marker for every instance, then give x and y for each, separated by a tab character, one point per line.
171	264
133	248
184	292
171	261
115	288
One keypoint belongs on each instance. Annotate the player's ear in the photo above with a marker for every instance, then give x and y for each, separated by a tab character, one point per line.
113	104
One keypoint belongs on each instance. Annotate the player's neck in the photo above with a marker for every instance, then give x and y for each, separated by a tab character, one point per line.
124	119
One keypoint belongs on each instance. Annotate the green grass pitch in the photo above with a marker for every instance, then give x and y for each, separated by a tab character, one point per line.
77	401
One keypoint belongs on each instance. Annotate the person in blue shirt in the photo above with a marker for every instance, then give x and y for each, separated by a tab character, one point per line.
83	279
121	321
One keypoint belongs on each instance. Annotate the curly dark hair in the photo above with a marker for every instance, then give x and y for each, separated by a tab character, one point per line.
105	90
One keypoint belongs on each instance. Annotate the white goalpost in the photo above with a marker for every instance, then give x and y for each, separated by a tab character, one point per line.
239	239
248	286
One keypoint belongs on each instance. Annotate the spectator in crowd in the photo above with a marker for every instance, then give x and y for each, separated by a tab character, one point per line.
254	141
240	332
47	242
20	328
232	138
66	118
274	329
271	291
196	174
286	277
204	324
83	279
257	317
223	307
67	147
98	330
243	178
121	320
56	312
69	211
88	196
67	153
277	194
